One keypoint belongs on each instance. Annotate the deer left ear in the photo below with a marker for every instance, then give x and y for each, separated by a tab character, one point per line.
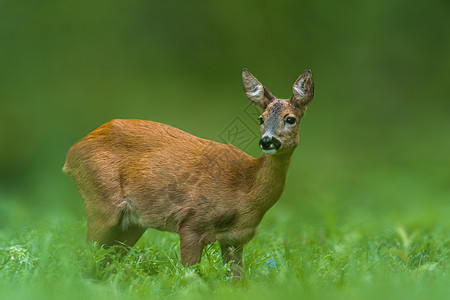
303	89
257	93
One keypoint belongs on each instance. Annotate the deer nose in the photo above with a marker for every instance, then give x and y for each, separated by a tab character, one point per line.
267	143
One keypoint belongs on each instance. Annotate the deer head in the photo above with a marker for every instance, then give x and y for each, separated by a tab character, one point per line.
281	118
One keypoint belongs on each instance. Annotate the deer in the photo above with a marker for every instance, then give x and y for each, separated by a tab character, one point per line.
136	174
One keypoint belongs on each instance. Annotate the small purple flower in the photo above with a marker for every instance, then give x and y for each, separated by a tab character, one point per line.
271	263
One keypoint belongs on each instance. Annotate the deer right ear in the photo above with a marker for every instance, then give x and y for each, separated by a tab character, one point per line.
258	94
303	89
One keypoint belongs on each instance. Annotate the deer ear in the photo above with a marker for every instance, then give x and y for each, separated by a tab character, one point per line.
303	89
258	94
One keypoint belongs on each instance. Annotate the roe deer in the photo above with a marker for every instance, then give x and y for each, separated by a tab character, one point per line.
136	174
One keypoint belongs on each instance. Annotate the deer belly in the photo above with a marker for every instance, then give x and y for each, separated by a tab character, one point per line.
236	236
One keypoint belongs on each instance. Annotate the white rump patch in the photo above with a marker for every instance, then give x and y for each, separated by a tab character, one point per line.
130	216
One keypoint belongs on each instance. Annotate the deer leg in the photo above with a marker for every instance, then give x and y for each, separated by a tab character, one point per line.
191	248
105	227
101	225
127	237
233	254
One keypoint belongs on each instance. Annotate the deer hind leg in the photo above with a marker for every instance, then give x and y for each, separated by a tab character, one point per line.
110	227
127	237
110	220
101	224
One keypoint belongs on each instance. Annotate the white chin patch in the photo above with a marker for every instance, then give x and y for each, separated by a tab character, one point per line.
270	152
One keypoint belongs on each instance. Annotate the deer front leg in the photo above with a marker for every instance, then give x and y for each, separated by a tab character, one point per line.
191	248
233	254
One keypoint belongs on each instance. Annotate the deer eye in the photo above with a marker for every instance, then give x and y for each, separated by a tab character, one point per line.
290	120
261	120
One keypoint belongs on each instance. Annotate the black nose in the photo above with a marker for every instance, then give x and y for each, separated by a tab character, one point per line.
267	143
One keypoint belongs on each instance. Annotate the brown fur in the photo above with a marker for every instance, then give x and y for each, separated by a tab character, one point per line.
136	174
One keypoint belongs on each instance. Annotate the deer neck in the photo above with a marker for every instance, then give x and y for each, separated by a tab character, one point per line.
270	177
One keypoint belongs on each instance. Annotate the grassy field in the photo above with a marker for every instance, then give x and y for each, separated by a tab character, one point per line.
348	257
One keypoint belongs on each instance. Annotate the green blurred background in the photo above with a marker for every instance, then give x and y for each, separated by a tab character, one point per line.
375	142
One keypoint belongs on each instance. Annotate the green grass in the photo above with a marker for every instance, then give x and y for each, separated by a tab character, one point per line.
319	259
